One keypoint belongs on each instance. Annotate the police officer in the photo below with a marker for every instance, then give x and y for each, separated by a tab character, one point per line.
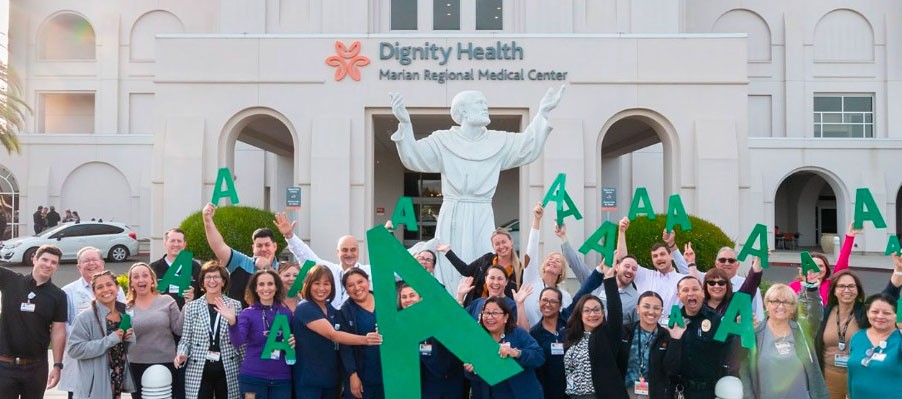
703	359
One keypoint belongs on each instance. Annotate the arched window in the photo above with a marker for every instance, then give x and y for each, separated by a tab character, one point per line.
843	35
141	44
9	205
67	37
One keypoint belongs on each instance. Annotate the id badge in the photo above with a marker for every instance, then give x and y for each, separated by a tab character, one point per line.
27	307
879	357
213	356
275	355
783	348
640	387
426	349
840	361
174	289
557	348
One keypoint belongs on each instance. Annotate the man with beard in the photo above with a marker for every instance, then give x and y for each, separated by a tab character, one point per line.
240	266
625	270
703	360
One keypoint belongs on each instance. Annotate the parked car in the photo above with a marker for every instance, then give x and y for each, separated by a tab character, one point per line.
116	240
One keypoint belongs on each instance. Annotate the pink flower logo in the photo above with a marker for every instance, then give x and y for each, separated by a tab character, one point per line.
347	61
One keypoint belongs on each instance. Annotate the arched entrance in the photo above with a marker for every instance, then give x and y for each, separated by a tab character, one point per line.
10	223
808	208
259	150
637	150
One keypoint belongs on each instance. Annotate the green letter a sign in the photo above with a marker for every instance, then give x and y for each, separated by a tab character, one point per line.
436	315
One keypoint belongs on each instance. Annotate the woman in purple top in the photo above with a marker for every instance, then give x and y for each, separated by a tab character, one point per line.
266	376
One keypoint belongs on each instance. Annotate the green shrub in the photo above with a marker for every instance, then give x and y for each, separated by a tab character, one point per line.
705	236
235	223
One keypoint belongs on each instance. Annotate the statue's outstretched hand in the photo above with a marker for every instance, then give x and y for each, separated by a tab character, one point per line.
550	100
398	108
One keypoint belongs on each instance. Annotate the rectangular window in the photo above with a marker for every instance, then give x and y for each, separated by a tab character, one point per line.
844	116
404	15
446	14
66	112
488	15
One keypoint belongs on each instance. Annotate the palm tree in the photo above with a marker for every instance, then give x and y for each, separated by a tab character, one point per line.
12	109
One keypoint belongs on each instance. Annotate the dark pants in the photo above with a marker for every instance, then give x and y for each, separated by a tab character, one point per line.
315	393
213	384
264	388
25	381
138	370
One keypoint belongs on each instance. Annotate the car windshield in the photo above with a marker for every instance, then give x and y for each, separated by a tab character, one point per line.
48	233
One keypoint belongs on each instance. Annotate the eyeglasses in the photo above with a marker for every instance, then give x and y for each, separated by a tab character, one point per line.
493	315
426	260
778	303
847	287
595	310
212	277
98	260
712	283
727	260
549	301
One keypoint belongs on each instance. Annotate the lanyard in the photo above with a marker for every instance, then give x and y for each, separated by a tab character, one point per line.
214	328
644	350
841	332
266	323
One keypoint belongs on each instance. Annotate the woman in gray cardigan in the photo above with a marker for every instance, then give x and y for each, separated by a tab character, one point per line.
784	364
99	345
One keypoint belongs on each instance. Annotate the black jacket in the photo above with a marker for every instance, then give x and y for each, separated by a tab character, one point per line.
663	359
477	270
604	348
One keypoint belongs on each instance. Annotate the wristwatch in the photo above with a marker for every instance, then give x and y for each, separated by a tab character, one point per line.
58	365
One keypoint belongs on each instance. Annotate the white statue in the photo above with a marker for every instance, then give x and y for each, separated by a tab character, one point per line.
470	159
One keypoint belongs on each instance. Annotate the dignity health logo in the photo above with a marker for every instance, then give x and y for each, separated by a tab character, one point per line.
347	60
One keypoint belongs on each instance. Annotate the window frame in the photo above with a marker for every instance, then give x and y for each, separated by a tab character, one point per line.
819	117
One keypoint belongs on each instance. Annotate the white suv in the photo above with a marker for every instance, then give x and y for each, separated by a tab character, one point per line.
116	240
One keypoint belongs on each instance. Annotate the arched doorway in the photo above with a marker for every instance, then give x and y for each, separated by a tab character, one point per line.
259	150
808	208
10	223
637	151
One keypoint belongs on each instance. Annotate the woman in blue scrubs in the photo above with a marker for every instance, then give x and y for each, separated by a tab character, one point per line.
316	326
441	373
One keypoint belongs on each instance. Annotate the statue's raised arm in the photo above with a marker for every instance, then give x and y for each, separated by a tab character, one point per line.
398	107
550	100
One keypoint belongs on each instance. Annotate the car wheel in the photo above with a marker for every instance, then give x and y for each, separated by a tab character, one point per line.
118	253
28	256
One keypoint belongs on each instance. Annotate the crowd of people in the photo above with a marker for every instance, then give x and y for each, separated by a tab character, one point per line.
46	218
818	337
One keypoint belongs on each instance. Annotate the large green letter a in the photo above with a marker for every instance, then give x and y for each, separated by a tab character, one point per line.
436	315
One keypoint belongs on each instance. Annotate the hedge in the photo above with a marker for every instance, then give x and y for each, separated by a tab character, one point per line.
705	236
235	223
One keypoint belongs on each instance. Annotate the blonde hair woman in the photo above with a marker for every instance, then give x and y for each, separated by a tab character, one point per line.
505	256
156	319
785	364
551	273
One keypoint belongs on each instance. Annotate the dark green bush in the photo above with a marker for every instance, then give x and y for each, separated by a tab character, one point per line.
706	239
235	223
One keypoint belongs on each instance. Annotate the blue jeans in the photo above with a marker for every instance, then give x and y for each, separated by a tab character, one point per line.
264	388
